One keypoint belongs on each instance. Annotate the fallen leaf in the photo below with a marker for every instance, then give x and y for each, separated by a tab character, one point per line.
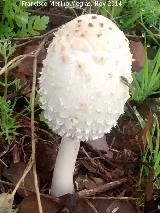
26	67
24	70
137	49
15	172
45	157
99	144
29	205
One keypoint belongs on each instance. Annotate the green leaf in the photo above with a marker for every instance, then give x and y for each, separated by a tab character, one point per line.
41	22
16	21
147	81
8	124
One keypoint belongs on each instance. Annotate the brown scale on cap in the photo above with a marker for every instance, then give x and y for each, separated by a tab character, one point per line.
65	58
101	24
79	20
94	17
90	25
110	28
102	60
83	72
98	35
64	55
82	35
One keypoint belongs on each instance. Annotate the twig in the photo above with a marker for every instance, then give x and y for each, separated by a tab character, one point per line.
3	163
14	62
133	36
90	159
92	206
113	198
28	168
4	152
33	126
24	43
103	188
113	207
149	32
34	37
11	184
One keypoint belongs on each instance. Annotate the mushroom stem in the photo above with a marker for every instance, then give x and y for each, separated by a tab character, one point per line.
62	181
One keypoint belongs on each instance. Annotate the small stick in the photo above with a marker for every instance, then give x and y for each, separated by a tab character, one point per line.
24	43
28	168
91	205
113	198
3	163
102	188
34	37
113	207
14	62
33	126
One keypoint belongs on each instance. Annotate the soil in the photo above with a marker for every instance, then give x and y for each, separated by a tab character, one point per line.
115	160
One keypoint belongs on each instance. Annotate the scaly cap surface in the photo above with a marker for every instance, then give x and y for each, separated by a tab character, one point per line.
81	89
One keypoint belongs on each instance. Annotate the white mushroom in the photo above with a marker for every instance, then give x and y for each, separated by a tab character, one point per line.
82	93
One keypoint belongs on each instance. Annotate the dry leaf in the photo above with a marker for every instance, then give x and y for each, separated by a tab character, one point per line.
138	52
29	205
15	172
99	144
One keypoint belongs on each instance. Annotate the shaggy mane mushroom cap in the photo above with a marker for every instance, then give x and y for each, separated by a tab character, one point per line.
81	87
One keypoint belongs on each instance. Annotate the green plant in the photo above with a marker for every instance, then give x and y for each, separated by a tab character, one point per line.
112	9
6	203
8	124
150	145
148	10
147	81
6	50
10	211
151	156
16	21
128	12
